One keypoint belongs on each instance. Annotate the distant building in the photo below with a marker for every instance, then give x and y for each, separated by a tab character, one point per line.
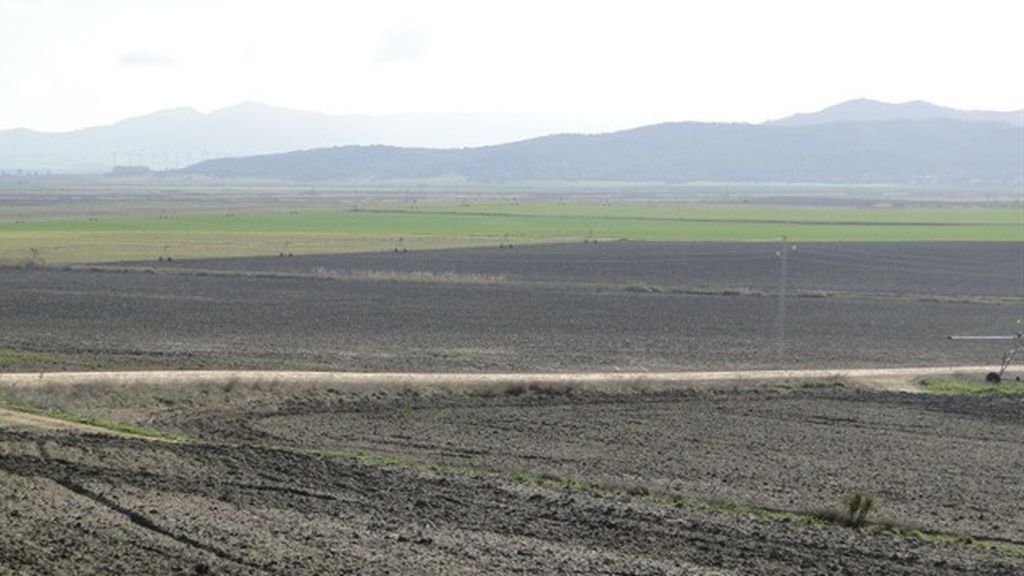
130	171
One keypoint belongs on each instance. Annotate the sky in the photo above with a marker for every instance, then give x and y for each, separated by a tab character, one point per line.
67	64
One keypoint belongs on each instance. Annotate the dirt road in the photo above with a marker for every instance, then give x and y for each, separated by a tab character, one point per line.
900	379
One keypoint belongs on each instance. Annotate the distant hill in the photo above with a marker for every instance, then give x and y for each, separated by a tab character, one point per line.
949	152
864	110
856	141
181	136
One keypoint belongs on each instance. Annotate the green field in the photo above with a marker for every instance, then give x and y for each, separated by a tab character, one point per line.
260	231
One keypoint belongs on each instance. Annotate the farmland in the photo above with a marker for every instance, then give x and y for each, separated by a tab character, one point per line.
94	232
335	472
606	306
269	477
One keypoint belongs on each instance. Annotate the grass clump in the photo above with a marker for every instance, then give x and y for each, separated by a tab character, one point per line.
858	506
854	512
638	491
419	276
963	387
522	388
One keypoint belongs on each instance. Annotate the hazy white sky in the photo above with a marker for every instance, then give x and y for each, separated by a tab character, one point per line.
65	64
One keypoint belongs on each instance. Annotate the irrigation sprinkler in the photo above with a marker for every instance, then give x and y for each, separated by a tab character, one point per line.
1018	341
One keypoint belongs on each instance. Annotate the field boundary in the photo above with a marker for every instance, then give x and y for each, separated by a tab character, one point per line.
320	273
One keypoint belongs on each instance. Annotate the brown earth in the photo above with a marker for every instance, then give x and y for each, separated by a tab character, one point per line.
319	477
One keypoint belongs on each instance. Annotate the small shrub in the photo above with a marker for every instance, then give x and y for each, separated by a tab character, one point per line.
231	383
515	390
35	261
858	506
550	389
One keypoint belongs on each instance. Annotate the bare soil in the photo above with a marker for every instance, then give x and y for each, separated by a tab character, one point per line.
617	306
315	477
595	451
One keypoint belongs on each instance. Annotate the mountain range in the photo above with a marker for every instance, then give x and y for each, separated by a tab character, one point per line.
178	137
859	141
923	152
864	110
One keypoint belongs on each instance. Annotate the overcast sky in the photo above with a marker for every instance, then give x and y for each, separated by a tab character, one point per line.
66	64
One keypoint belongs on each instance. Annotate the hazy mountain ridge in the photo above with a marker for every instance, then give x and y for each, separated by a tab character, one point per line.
178	137
855	141
865	110
900	151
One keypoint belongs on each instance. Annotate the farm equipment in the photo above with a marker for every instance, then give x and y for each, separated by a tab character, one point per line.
1018	341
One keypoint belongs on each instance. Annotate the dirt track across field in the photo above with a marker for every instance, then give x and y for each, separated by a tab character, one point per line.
887	379
893	379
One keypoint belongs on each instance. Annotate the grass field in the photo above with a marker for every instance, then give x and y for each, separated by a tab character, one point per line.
256	231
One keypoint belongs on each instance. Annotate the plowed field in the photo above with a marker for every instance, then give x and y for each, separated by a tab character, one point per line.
315	479
279	476
604	307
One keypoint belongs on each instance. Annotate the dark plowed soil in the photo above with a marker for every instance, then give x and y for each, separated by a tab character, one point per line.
484	483
604	307
321	479
945	462
946	268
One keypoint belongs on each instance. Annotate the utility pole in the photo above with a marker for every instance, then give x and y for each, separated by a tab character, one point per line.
780	336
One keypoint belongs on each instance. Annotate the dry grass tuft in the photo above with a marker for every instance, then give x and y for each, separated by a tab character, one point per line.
410	276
